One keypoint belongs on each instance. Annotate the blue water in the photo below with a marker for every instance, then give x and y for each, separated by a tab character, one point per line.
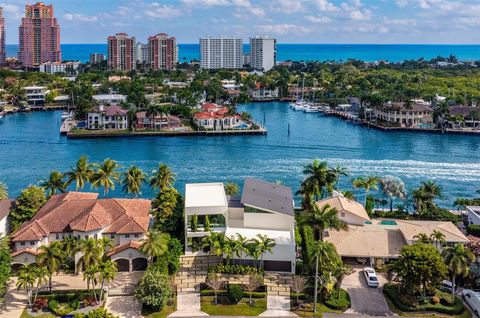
306	52
30	147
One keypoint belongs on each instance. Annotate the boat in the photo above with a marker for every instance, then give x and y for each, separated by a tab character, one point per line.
67	115
309	108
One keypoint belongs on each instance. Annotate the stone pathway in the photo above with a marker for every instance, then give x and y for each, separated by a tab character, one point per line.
188	305
16	301
124	306
278	306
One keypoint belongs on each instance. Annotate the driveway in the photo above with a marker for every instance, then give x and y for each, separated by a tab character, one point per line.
365	300
124	306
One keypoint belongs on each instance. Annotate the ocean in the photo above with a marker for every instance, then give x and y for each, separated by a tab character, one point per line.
306	52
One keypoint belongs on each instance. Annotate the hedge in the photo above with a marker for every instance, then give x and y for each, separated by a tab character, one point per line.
67	296
392	293
210	292
341	302
473	229
234	269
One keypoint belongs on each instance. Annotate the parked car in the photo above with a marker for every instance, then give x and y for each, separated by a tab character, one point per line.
472	298
370	277
446	286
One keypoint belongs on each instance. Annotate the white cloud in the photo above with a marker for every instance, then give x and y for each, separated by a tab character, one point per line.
318	20
206	3
401	3
78	17
288	6
246	5
325	6
156	10
283	29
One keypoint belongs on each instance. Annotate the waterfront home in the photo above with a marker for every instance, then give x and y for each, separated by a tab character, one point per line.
36	96
264	208
158	122
216	117
473	214
262	93
468	116
349	211
109	98
397	114
6	206
83	215
107	118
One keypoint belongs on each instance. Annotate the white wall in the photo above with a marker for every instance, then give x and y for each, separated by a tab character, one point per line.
129	253
350	218
3	226
473	218
270	221
25	258
121	239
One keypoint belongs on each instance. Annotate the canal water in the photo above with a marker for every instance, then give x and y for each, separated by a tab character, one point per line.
30	147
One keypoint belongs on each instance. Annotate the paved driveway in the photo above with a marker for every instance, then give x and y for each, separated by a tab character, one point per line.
124	306
365	300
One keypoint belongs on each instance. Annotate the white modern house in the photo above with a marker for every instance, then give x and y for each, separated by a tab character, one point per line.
473	214
36	96
59	67
109	98
264	208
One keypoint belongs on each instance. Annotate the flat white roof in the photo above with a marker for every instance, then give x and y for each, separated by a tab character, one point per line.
280	237
108	96
205	195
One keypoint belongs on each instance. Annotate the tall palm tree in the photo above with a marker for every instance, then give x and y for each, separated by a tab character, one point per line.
41	277
252	249
90	275
54	183
366	183
105	245
155	244
153	111
458	260
3	191
265	245
26	280
107	270
162	178
422	238
133	179
106	175
81	174
241	245
321	219
320	177
438	238
51	258
213	243
91	254
339	172
70	246
231	188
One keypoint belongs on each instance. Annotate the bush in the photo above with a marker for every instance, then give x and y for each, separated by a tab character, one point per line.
210	292
99	313
40	303
435	300
234	269
339	300
473	229
235	293
154	289
53	305
63	309
75	304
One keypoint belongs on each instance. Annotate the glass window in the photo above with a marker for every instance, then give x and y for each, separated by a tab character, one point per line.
112	235
127	235
22	243
32	243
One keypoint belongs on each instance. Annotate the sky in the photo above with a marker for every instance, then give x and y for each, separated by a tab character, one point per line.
289	21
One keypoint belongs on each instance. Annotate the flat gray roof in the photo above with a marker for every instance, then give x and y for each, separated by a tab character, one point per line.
268	196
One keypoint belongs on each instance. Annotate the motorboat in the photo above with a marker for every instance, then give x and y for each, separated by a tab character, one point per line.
66	115
309	108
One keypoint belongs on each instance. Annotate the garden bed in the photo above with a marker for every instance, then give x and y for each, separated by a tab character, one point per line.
226	308
338	302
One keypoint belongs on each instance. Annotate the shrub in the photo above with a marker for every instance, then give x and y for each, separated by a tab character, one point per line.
40	303
99	313
210	292
339	300
447	300
75	304
234	269
234	293
473	229
154	289
63	309
53	305
408	300
89	301
435	300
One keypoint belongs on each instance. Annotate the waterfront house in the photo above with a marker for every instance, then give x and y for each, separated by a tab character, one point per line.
473	214
216	117
6	206
264	208
398	114
36	96
108	99
158	122
349	211
107	118
262	93
83	215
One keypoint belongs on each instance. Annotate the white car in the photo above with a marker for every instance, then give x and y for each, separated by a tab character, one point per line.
370	277
472	299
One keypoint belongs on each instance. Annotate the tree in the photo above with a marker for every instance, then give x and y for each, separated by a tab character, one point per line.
213	281
133	179
339	172
50	257
26	281
80	174
321	219
419	268
3	191
154	290
366	183
153	111
458	260
5	263
437	238
422	238
320	179
425	195
254	281
213	243
393	187
41	275
107	270
155	244
299	283
265	245
90	275
165	203
54	183
91	253
27	204
162	178
231	188
106	175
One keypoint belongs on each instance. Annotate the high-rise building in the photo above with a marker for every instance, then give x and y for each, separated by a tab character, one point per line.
162	52
221	52
96	58
263	53
121	52
2	38
141	52
39	36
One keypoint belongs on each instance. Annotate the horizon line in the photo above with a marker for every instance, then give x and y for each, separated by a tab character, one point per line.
472	44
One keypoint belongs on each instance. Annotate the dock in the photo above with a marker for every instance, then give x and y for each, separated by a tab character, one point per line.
67	125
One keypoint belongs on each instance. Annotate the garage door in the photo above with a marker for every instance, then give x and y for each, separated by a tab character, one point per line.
122	265
139	264
16	267
277	266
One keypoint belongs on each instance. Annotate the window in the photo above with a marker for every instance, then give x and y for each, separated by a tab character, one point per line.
32	242
135	235
95	236
127	235
112	235
22	243
57	236
86	236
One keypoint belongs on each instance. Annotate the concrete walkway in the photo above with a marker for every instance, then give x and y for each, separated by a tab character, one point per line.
16	301
124	306
188	305
278	306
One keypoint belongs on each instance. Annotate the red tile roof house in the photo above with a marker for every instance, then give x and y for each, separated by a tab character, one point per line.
83	215
159	122
6	206
111	117
215	117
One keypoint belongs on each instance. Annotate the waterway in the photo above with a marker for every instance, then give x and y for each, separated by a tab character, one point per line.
30	147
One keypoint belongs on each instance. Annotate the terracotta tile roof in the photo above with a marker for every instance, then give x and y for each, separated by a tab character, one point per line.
343	204
119	248
411	228
401	106
84	212
5	207
26	250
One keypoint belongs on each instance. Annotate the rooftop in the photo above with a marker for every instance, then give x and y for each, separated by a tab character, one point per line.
411	228
205	195
343	204
268	196
5	207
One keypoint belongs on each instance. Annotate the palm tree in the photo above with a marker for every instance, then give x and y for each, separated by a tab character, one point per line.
340	171
393	187
90	275
81	174
71	246
228	249
213	243
155	244
133	179
241	245
51	257
91	252
3	191
424	196
231	188
106	175
265	245
40	274
252	250
366	183
321	219
26	281
153	111
458	260
320	178
54	183
162	178
438	238
107	270
422	238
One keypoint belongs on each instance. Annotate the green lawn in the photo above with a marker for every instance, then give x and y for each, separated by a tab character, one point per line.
25	314
240	309
321	308
167	310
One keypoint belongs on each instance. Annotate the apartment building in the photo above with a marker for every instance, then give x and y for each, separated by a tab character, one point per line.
217	53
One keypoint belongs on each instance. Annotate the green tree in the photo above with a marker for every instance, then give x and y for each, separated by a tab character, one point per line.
321	219
80	174
265	245
54	183
425	195
41	277
106	175
152	112
154	245
26	281
133	179
27	204
437	238
3	191
320	179
91	253
231	188
366	183
107	270
458	260
165	204
162	178
5	263
90	275
50	257
154	290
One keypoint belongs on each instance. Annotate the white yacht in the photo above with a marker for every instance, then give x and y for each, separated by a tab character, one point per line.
310	108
